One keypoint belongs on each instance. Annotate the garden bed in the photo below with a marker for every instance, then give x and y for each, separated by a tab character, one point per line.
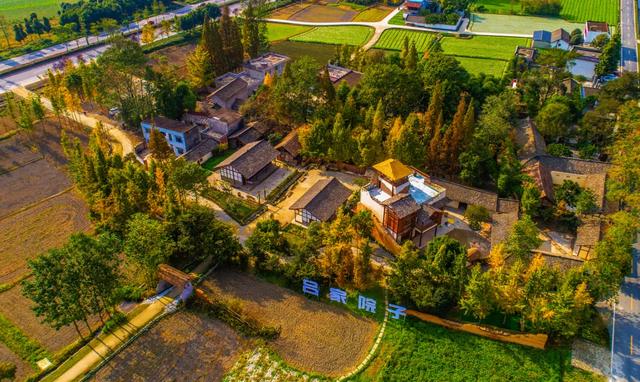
240	210
338	35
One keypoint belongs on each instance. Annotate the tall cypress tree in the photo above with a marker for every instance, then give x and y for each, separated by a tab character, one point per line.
251	31
212	41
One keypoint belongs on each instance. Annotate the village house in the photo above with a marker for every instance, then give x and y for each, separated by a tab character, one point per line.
217	124
585	64
415	6
233	89
253	131
527	54
548	171
185	140
593	29
289	149
321	202
338	74
558	39
272	63
399	197
249	165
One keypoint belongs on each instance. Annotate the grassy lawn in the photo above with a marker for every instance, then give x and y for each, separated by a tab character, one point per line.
320	52
417	351
392	39
398	19
373	14
19	9
524	25
278	32
573	10
212	162
501	48
339	35
487	66
239	209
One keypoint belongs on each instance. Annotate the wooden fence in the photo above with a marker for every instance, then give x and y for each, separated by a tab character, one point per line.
537	341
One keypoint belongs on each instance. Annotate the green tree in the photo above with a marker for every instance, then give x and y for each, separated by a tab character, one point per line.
523	238
159	147
478	299
188	178
199	67
146	246
404	141
530	202
553	121
251	38
476	215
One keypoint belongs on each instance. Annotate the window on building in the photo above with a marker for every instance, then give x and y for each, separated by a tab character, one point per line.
178	139
179	150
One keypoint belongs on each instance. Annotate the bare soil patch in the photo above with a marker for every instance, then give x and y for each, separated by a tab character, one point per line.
17	308
13	153
288	11
35	230
174	56
321	13
185	346
30	184
23	370
315	337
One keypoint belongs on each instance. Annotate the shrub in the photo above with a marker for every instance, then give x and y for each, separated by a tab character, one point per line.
476	215
7	371
558	150
115	321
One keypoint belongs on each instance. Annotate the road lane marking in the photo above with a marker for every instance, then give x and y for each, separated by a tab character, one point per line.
631	345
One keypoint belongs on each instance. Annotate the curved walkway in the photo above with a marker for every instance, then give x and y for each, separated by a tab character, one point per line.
85	119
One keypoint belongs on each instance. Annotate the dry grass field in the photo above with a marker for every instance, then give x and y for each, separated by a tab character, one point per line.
288	11
315	337
321	13
182	347
17	308
31	232
23	370
174	56
377	13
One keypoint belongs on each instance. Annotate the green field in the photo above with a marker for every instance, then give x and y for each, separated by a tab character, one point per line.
501	48
594	10
339	35
417	351
392	39
573	10
19	9
320	52
524	25
277	32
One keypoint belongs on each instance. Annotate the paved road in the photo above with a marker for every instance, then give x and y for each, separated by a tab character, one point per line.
33	73
61	49
629	52
626	339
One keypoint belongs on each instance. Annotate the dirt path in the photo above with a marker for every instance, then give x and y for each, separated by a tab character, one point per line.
88	119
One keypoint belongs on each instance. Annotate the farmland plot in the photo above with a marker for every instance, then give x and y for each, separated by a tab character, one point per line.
339	35
35	230
30	184
393	39
185	346
17	308
315	337
595	10
321	13
23	370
